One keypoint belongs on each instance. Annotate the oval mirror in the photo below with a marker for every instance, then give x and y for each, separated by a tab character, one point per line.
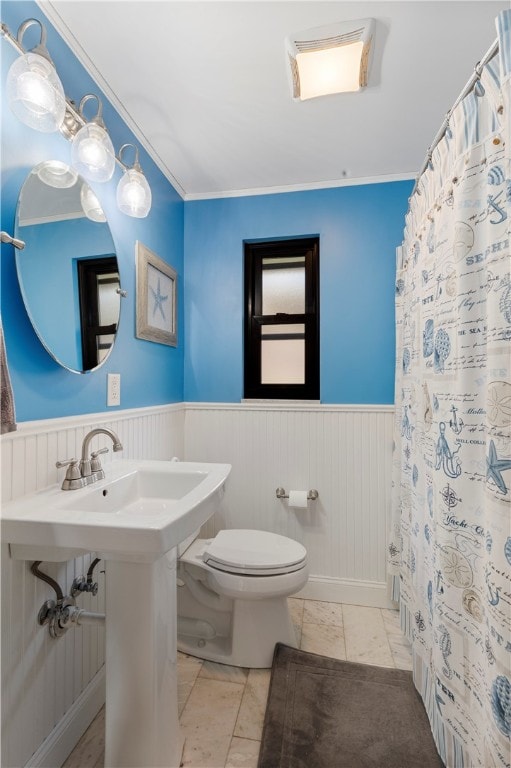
68	271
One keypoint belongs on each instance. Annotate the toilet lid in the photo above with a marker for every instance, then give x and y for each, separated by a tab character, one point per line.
254	553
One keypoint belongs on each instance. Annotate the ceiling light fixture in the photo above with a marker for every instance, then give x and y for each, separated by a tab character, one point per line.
37	98
330	59
34	90
133	191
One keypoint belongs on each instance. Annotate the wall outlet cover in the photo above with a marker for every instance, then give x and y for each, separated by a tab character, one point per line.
113	389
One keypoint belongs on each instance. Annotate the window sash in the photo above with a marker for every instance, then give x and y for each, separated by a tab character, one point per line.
306	252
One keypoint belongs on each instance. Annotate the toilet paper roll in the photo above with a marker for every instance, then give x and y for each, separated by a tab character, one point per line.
298	499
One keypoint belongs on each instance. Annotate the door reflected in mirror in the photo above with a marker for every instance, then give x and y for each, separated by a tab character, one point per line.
68	271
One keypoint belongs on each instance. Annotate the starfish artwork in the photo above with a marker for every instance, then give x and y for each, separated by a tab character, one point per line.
495	467
159	300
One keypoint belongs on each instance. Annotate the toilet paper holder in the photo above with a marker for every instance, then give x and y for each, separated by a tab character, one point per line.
312	495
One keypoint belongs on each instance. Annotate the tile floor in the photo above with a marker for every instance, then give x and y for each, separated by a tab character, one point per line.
222	708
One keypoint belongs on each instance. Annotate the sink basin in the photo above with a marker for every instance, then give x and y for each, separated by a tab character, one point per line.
141	510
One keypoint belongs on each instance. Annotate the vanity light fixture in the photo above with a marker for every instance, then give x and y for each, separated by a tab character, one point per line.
330	59
34	90
92	151
37	98
133	192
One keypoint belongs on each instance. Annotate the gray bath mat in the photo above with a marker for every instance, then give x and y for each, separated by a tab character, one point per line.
326	713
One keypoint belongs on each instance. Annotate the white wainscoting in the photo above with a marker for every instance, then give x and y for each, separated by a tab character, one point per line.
344	452
51	689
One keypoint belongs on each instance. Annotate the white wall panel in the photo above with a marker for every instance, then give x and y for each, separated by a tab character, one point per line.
342	451
42	678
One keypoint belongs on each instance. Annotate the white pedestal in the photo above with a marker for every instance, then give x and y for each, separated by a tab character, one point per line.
142	726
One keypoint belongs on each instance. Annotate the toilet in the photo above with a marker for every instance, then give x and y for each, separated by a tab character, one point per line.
232	595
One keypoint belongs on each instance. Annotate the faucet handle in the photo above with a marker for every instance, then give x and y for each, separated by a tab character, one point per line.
95	464
94	454
73	470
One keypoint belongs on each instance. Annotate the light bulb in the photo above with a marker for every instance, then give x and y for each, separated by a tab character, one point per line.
93	154
134	194
35	93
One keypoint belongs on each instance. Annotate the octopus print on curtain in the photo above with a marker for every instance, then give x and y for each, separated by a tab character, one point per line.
450	543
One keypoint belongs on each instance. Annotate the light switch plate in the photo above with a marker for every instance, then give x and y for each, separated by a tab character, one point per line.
113	396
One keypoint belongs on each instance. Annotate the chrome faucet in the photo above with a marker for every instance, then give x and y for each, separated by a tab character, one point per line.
87	470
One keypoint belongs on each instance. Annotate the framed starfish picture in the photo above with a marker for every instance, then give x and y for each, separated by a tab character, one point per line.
156	298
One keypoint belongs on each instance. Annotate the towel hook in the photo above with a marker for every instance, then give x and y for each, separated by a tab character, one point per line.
6	238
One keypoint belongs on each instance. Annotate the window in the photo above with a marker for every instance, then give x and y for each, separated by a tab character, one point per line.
282	319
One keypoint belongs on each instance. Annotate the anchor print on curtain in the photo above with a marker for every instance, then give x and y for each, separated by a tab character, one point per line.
450	542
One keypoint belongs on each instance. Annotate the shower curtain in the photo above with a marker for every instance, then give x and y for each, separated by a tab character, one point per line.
450	543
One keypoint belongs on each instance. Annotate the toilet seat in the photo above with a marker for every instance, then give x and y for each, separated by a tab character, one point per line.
254	553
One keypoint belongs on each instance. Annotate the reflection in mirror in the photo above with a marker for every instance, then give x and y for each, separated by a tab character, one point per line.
68	271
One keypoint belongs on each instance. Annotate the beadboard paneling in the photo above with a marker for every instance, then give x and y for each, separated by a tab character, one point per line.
342	451
42	677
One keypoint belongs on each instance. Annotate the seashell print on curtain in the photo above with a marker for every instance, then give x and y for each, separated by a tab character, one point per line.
450	542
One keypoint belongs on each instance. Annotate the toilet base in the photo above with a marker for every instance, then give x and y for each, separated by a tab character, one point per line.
257	625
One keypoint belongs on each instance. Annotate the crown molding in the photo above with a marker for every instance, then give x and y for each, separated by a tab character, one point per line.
307	187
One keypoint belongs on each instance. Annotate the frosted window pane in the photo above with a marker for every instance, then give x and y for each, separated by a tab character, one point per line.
283	361
284	291
271	330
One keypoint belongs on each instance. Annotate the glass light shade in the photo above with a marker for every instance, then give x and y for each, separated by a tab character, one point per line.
56	174
91	205
332	70
35	93
92	153
134	194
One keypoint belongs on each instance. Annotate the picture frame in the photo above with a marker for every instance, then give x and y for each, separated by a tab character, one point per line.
156	314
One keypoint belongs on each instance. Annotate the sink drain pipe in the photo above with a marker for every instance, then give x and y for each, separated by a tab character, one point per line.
72	616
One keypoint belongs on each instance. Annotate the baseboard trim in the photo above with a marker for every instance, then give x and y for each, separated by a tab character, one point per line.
369	593
63	739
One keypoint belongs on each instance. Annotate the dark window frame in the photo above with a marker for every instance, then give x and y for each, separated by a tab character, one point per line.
307	248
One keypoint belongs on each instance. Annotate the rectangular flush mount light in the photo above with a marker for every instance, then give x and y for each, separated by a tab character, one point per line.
330	59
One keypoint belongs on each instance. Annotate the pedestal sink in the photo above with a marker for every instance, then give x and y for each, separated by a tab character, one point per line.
134	519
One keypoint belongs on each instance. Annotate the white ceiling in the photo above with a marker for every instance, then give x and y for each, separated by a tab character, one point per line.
204	86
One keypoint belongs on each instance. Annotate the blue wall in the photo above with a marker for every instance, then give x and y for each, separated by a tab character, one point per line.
151	373
359	228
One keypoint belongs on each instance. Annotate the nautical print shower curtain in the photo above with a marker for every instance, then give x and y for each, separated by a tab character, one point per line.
450	543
